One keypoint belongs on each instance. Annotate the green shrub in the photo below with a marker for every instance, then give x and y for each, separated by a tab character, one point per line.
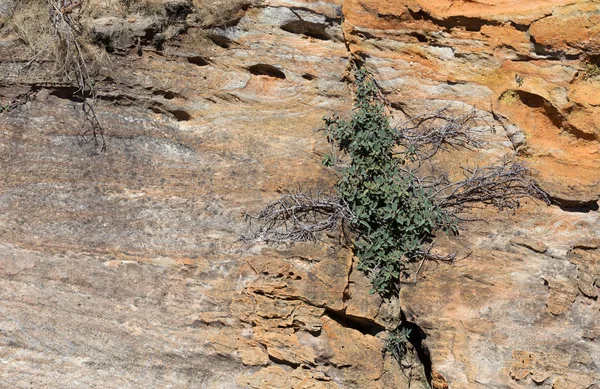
397	342
387	201
393	214
591	71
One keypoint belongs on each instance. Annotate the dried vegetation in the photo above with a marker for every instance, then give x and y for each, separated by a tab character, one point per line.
390	196
71	41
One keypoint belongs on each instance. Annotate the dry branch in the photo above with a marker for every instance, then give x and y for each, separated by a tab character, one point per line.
427	134
95	133
502	185
53	33
300	217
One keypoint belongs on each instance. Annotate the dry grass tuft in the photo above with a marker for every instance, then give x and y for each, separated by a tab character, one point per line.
153	8
30	22
52	32
221	13
58	31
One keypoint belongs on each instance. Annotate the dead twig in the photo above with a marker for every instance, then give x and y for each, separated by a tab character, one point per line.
95	133
301	217
502	185
426	135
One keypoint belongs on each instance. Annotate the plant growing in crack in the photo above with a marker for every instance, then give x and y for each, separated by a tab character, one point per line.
387	203
394	212
397	342
591	71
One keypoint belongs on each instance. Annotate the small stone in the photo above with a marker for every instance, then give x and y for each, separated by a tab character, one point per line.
586	285
531	244
539	377
559	302
590	244
438	381
253	356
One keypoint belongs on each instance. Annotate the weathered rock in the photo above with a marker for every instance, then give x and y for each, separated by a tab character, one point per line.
132	258
506	309
125	269
536	246
5	8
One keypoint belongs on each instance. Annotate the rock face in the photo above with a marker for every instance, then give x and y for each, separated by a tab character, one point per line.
523	61
125	269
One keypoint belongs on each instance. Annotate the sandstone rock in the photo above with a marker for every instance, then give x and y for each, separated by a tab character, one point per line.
569	30
562	295
124	269
116	33
538	247
272	377
586	284
438	381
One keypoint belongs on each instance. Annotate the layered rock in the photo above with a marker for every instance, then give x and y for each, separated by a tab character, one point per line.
126	269
523	61
517	311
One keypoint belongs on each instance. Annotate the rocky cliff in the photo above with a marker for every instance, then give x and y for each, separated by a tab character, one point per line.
125	269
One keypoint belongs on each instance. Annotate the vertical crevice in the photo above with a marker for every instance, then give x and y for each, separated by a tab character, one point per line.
415	338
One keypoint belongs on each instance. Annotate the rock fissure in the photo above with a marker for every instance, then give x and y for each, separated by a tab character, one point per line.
361	324
469	23
415	337
283	362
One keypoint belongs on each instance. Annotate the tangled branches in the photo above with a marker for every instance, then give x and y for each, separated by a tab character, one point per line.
501	185
69	51
301	217
95	132
384	195
53	34
72	63
427	134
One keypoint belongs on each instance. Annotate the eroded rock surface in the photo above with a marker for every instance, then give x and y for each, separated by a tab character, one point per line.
125	268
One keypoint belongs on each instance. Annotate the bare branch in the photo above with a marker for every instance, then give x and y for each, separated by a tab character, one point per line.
95	133
501	185
426	135
300	217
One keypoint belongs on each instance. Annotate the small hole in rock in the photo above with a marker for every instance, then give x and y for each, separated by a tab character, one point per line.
198	61
420	37
181	115
169	95
262	69
220	41
314	30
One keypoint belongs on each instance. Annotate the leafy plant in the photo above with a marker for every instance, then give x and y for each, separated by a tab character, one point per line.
397	342
387	200
591	70
394	215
